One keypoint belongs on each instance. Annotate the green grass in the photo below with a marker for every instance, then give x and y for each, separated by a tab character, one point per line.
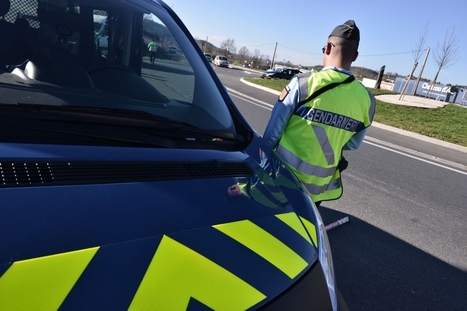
277	85
447	123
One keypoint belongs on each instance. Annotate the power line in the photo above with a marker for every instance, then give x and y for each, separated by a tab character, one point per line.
298	50
396	53
262	44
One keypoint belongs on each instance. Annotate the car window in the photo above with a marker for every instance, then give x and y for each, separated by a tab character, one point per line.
106	55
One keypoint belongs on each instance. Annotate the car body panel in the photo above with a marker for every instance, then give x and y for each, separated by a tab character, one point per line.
280	73
221	61
208	57
149	219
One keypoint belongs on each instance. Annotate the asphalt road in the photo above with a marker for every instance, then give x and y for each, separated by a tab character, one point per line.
404	247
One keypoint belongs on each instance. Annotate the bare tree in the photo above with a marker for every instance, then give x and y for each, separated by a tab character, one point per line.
243	54
417	50
208	48
228	47
446	54
256	59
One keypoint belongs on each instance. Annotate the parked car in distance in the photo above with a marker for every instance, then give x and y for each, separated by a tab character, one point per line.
221	61
174	54
280	73
172	50
208	57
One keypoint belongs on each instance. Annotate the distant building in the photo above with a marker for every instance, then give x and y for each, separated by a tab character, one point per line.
438	91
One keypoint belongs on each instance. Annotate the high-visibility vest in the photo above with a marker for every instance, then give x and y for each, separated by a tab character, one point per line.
315	135
152	46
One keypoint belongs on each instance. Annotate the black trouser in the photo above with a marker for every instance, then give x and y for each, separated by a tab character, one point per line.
152	56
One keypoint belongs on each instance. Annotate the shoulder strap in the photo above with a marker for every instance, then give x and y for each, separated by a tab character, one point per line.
324	89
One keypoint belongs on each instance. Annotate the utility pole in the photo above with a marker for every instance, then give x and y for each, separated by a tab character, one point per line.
273	57
409	78
205	44
421	72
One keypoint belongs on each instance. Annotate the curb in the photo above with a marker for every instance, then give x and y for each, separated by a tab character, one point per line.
420	137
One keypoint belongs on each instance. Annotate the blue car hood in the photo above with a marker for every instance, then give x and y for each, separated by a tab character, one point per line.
117	225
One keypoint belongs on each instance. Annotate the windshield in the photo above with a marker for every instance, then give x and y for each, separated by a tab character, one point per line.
109	56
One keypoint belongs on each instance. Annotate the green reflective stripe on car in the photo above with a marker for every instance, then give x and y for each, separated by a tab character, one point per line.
265	245
311	228
292	220
178	273
42	283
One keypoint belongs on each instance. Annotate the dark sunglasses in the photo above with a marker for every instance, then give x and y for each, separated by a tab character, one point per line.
324	48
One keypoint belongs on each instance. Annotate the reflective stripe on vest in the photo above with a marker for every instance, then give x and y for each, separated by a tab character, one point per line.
335	184
266	194
302	166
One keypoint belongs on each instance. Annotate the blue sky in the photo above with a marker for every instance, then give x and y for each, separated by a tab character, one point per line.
389	30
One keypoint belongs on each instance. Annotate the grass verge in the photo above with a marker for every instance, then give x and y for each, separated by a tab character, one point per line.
446	124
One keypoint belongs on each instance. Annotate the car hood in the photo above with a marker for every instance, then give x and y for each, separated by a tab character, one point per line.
117	224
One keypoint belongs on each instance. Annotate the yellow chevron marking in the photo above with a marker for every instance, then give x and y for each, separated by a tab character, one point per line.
311	228
292	220
265	245
42	283
177	273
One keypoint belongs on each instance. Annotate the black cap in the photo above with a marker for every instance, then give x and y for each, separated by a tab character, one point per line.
348	30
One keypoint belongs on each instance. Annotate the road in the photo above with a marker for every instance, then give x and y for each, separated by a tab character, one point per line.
405	246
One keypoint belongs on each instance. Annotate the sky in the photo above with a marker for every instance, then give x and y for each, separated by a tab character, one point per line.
390	31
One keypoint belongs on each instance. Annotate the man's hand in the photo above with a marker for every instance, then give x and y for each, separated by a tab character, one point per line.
343	163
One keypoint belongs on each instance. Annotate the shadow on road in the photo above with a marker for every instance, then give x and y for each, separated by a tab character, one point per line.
377	271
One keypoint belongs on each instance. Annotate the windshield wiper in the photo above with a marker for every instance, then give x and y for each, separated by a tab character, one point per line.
93	113
152	124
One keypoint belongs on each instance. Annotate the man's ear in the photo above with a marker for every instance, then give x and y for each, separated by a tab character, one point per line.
356	56
328	48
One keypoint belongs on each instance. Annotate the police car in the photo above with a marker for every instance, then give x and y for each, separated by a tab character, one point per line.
132	185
